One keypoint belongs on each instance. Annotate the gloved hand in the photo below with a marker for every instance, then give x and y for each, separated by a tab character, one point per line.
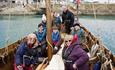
20	67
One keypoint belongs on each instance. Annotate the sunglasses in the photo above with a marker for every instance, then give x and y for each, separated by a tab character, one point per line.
68	41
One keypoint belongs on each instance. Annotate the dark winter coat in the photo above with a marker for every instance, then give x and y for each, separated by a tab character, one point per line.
55	37
75	55
68	16
56	21
23	53
68	21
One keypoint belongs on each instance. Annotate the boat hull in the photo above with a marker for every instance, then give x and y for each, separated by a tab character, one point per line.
7	56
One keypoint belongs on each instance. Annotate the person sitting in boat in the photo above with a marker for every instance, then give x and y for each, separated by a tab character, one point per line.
41	37
56	20
26	54
74	57
55	35
67	16
77	29
44	20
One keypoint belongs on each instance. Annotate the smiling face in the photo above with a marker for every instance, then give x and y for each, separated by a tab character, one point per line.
40	29
31	38
77	28
55	30
64	8
68	40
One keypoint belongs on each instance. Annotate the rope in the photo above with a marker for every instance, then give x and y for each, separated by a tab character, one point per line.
94	49
49	42
111	65
7	38
104	65
2	56
94	11
86	47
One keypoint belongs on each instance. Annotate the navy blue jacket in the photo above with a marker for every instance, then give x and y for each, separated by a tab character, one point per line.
24	50
57	20
55	37
68	16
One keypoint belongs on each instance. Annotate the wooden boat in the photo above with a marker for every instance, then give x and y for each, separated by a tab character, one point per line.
7	54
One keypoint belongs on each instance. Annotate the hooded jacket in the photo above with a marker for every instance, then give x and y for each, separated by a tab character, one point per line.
74	54
24	53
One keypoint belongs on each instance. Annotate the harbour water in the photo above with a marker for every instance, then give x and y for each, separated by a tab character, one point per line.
16	27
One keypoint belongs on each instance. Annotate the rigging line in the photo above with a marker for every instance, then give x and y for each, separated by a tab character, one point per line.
24	19
94	12
8	28
78	2
49	42
37	5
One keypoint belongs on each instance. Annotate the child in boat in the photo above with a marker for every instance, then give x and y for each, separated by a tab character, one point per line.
41	37
55	35
75	58
26	54
77	29
44	20
56	20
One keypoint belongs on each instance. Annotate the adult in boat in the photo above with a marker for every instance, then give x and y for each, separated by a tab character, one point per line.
27	54
77	29
67	18
41	37
75	58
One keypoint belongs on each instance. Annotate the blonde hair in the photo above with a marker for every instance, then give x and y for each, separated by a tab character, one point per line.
33	36
68	37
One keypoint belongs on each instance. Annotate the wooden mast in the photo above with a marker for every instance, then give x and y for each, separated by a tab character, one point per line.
49	33
78	2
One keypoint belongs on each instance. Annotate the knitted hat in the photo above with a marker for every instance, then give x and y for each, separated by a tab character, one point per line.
43	17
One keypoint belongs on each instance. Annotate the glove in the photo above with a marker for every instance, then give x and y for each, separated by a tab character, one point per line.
20	67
